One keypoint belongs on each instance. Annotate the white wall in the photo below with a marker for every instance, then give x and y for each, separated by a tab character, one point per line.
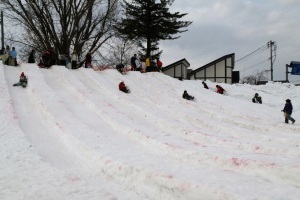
220	69
178	71
169	72
210	71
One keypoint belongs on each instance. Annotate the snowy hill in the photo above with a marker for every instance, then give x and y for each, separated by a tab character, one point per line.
71	134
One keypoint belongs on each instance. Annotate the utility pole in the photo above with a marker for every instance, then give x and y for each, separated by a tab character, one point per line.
272	44
2	30
287	72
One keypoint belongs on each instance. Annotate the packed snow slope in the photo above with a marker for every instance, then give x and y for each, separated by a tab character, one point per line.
71	134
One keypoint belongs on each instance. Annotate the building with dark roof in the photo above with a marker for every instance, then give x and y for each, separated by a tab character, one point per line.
219	70
177	69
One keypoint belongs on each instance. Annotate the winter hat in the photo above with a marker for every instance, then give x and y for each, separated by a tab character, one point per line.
289	101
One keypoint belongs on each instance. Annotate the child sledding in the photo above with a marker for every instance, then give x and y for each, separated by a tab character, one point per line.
120	68
220	90
23	81
257	99
187	96
123	88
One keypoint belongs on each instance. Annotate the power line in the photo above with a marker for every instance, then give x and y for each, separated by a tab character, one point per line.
254	54
255	65
259	50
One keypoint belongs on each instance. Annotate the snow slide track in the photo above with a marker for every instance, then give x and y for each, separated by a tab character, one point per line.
203	158
110	166
88	93
236	161
60	86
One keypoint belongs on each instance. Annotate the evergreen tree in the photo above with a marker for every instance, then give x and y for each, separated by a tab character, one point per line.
150	21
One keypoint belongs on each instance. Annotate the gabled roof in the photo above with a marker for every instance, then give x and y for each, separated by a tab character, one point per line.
175	64
211	63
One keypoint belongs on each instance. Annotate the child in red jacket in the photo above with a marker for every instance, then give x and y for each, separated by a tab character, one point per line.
220	90
123	87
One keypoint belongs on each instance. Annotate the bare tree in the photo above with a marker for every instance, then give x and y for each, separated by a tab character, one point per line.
262	75
249	79
118	50
253	79
83	25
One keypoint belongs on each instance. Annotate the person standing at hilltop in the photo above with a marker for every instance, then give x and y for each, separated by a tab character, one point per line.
133	62
147	63
13	57
88	60
31	58
74	59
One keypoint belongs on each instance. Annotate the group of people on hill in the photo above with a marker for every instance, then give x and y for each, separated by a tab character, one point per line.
9	57
153	64
51	57
149	64
48	58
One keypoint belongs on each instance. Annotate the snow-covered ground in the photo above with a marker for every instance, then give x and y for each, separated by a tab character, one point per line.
72	135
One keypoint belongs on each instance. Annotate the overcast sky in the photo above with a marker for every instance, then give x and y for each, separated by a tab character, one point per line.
237	26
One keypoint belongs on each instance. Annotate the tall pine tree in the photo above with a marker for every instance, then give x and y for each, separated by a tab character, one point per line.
150	21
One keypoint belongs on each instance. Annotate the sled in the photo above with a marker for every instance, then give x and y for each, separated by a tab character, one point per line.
11	61
23	84
122	72
4	58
